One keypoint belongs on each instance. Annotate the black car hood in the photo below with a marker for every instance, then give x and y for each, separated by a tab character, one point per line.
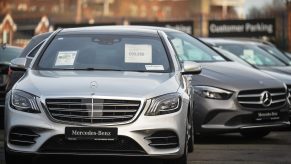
234	76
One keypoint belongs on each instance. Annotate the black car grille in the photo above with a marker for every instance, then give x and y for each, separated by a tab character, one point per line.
92	110
123	145
22	136
163	140
252	98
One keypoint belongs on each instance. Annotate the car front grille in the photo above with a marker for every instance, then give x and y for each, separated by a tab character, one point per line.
253	98
123	145
92	111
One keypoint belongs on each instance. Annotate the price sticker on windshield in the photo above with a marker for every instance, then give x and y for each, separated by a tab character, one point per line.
138	53
66	58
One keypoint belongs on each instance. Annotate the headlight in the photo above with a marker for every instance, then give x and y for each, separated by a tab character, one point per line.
24	101
165	104
212	93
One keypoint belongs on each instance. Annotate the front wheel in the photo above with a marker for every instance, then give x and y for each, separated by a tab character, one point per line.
255	134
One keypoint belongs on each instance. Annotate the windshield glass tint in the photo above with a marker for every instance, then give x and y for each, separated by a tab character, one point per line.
190	49
232	57
7	54
105	52
253	55
277	53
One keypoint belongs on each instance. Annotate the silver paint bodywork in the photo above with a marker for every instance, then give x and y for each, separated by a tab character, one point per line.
107	84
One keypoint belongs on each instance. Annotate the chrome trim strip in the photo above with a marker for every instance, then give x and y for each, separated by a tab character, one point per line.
29	135
29	142
267	126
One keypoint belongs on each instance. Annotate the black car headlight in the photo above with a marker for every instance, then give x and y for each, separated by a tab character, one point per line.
24	101
165	104
212	92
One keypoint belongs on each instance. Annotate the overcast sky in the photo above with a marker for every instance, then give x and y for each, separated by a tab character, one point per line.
255	3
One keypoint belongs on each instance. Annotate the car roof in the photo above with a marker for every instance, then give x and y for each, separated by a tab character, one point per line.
215	41
4	46
130	30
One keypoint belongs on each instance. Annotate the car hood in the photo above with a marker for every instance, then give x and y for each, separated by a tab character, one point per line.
234	76
286	78
99	83
281	70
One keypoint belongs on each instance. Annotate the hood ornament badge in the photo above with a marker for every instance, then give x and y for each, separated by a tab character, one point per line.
93	86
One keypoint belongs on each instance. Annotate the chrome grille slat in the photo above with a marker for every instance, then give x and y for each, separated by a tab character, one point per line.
252	98
250	95
92	110
278	94
278	101
95	104
89	117
95	111
250	102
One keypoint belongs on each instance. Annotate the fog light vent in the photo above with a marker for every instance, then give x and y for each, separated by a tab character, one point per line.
22	136
163	140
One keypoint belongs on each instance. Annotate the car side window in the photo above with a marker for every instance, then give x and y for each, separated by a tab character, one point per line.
34	51
190	49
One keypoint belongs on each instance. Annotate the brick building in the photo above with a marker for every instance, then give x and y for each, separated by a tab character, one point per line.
97	12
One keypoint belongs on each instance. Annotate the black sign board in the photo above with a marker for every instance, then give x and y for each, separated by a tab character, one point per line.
242	28
185	26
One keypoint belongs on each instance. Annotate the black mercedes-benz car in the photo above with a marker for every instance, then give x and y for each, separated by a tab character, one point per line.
7	53
28	52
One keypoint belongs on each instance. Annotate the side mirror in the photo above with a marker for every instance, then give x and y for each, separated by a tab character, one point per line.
18	64
190	67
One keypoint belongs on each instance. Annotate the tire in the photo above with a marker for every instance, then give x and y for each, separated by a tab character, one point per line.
191	134
255	134
14	158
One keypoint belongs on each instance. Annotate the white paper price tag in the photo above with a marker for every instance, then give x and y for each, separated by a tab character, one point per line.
66	58
138	53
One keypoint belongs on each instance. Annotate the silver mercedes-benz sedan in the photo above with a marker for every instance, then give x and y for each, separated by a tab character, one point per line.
101	91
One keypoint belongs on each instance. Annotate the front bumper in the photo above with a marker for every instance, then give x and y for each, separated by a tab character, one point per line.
227	116
137	131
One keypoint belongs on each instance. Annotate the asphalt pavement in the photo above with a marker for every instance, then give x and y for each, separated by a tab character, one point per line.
221	149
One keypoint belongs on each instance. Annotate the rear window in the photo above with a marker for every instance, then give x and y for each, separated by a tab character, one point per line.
105	52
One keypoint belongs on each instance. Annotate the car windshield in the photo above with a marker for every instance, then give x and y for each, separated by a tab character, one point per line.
277	53
232	57
252	55
190	49
9	53
105	52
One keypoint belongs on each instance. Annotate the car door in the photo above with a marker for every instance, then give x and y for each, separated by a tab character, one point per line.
28	52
